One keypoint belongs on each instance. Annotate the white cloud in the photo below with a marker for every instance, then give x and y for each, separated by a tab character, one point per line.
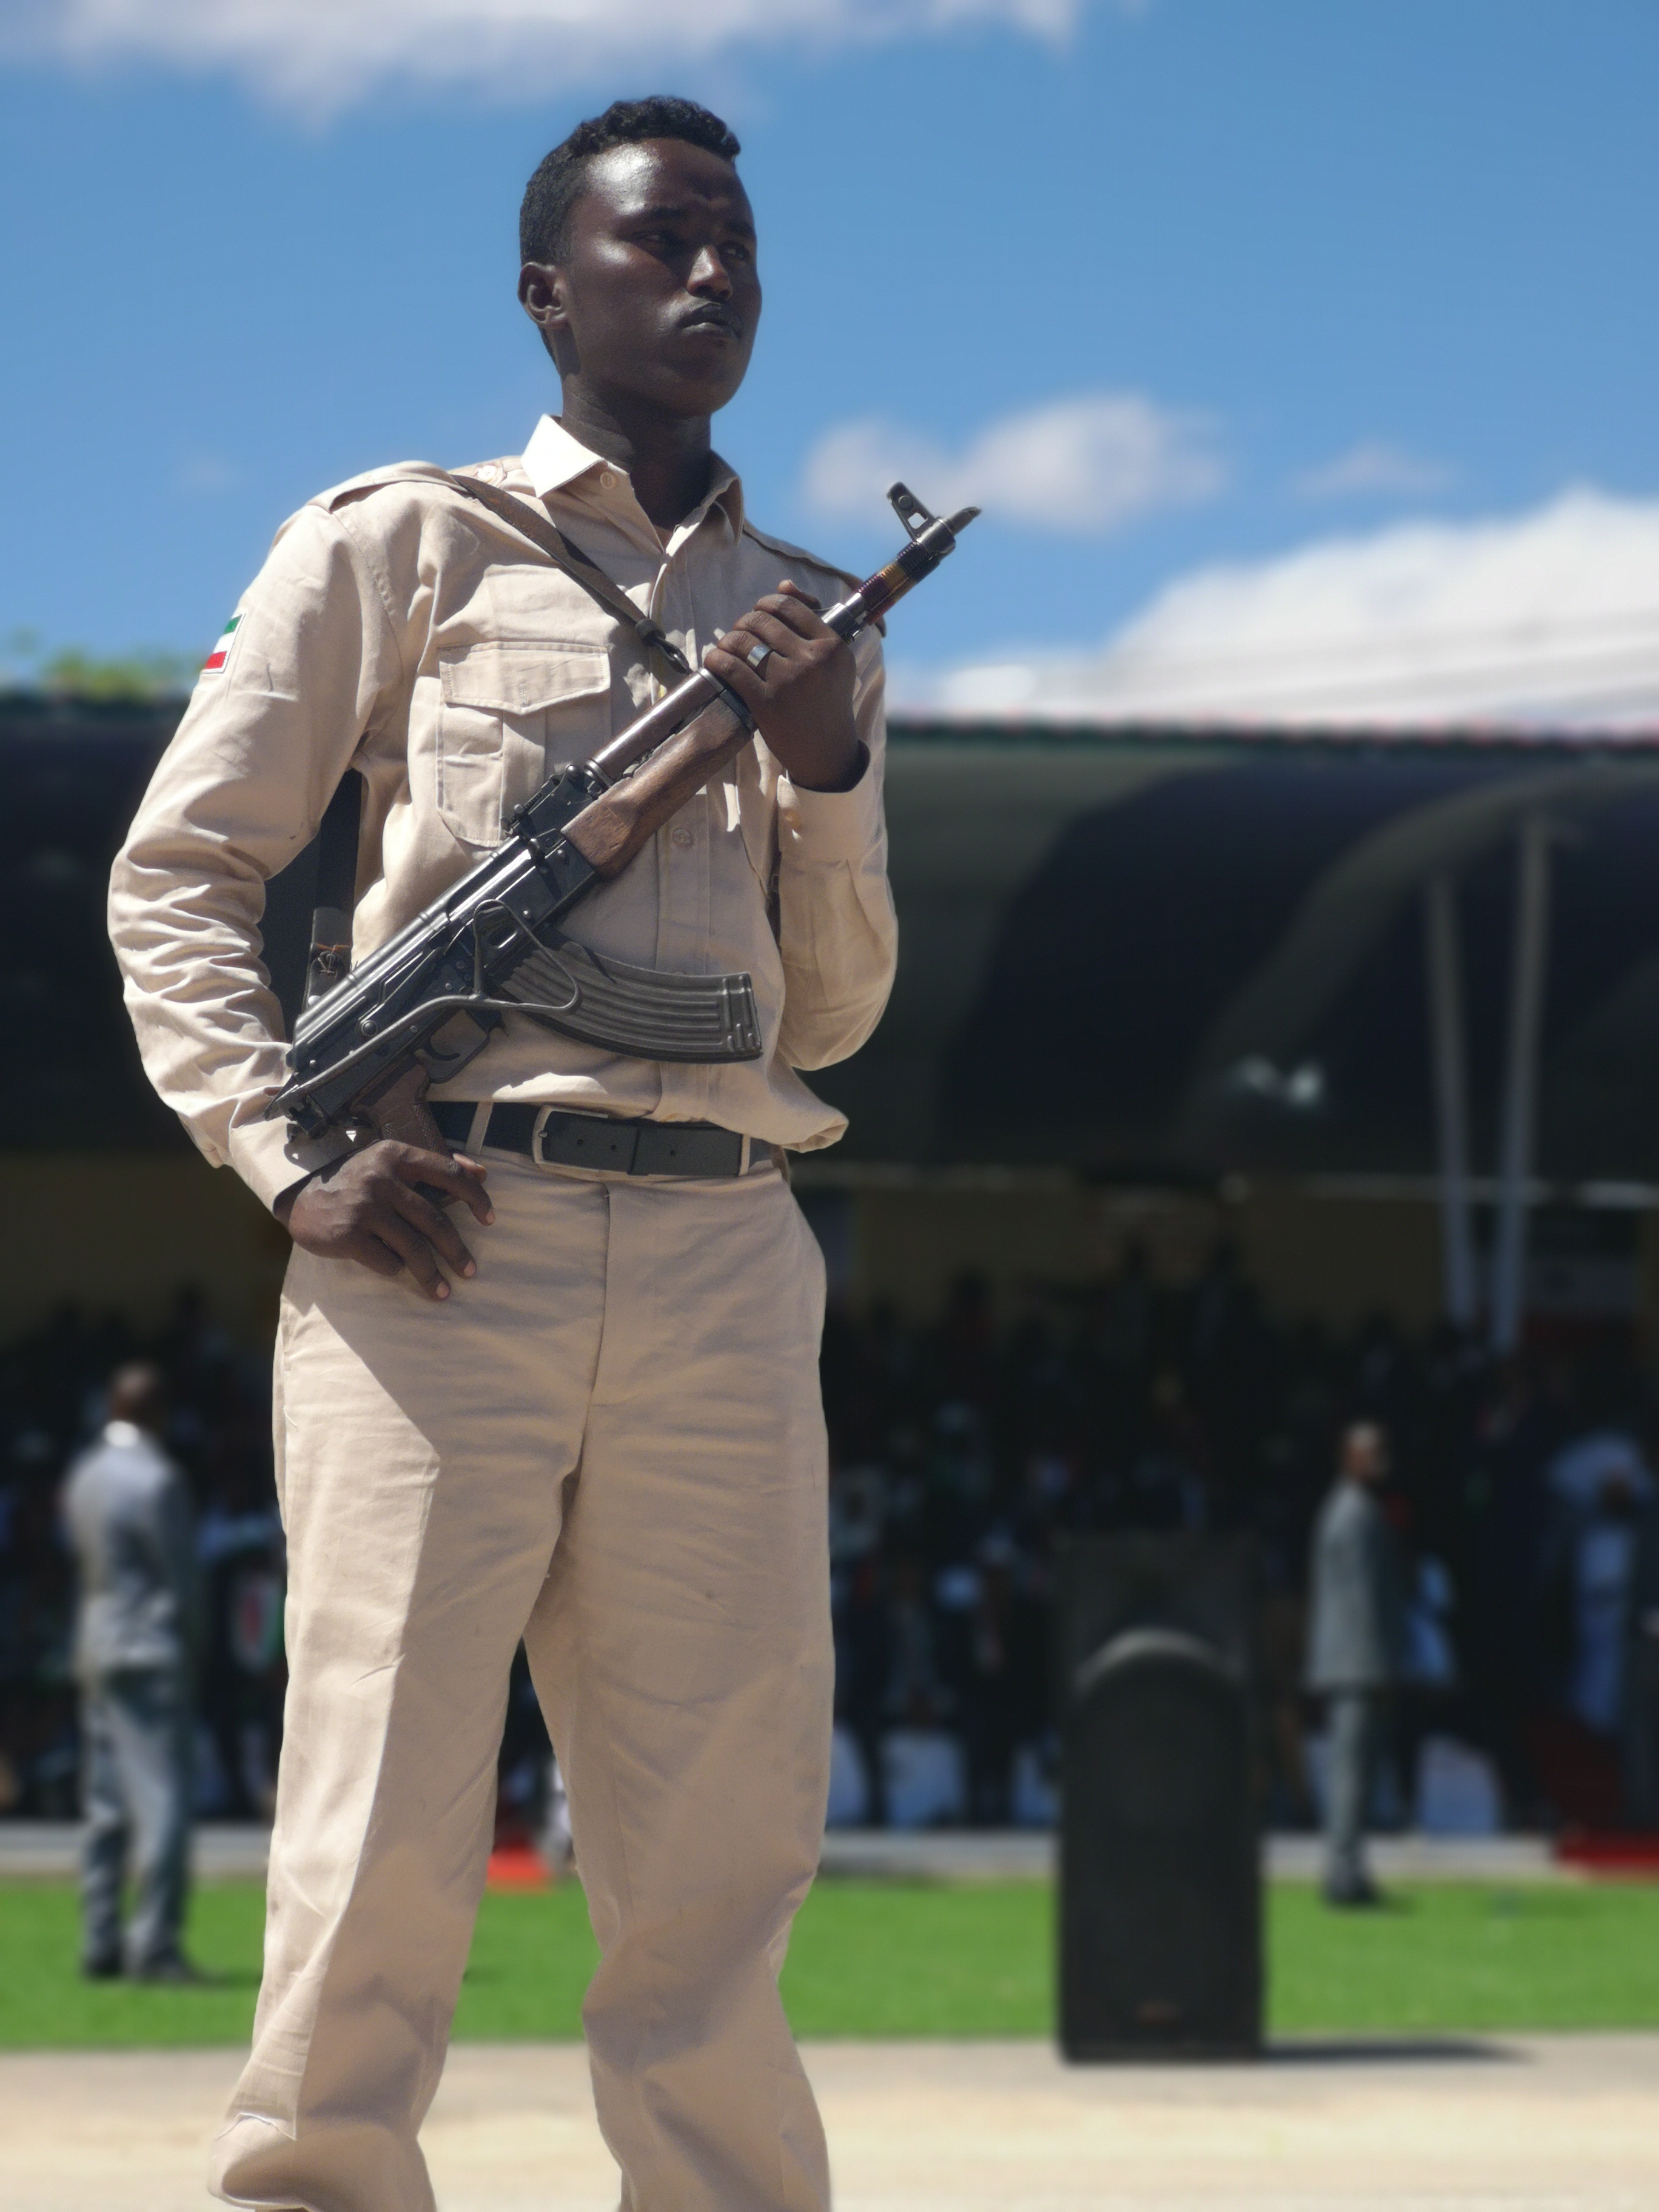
1087	465
321	55
1550	616
1372	466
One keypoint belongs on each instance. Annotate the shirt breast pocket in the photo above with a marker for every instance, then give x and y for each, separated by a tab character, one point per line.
507	714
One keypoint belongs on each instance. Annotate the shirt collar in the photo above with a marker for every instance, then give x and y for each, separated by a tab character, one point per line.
123	1432
555	461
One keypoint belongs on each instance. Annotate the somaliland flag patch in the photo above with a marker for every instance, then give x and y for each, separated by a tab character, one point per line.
216	660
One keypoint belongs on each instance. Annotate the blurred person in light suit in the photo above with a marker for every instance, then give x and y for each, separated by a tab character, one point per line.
129	1521
1357	1647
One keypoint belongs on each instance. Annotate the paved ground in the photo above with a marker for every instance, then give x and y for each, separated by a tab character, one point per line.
1547	2124
39	1847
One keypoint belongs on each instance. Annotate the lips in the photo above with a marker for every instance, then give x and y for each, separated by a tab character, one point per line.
715	319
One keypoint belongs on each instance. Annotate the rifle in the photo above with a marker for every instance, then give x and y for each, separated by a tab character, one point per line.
425	1004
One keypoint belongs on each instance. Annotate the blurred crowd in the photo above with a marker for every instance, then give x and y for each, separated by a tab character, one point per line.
963	1452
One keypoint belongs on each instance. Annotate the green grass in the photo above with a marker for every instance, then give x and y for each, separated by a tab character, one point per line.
874	1958
1458	1956
899	1959
44	2002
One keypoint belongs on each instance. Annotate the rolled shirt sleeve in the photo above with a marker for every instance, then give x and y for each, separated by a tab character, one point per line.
238	793
838	933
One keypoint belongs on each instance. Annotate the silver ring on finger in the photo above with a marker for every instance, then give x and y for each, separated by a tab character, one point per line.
757	656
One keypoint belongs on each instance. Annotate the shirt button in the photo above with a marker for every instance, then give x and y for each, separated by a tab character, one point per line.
682	837
607	481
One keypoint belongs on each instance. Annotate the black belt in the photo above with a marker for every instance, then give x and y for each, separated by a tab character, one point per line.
558	1140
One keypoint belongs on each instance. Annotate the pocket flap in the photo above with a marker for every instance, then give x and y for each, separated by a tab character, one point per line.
518	679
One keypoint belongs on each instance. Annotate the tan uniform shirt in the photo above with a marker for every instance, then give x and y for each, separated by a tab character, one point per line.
400	630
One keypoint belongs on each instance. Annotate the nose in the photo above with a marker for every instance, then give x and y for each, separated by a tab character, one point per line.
710	278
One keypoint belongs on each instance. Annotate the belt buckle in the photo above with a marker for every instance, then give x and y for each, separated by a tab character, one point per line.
621	1138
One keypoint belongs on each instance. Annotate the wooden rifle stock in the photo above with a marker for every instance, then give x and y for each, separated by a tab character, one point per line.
614	827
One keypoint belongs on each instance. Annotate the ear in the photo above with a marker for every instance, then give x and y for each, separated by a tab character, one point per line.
542	295
541	292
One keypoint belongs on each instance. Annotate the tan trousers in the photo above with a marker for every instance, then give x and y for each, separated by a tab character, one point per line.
610	1443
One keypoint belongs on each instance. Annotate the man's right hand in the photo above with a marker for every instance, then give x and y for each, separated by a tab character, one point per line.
368	1209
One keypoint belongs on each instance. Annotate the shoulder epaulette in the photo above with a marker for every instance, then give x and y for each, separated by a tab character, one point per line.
402	472
798	553
500	472
359	487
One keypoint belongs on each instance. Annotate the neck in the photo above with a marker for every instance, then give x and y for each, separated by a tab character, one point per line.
667	456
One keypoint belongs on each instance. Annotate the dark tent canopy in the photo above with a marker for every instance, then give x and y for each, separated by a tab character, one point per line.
1140	953
1183	952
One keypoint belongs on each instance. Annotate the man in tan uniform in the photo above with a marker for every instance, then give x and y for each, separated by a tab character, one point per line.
594	1422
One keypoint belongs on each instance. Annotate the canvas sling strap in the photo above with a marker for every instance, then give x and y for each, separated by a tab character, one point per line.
662	656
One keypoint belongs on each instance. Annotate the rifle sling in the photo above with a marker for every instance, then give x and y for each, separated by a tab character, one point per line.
662	657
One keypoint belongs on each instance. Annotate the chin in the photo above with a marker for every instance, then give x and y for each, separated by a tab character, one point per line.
701	395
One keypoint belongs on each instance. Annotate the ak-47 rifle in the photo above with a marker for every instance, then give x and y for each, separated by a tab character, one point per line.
426	1003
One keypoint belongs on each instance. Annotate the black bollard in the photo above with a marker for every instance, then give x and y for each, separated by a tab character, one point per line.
1160	1911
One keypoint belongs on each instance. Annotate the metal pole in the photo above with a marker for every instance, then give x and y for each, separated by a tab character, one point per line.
1529	963
1445	982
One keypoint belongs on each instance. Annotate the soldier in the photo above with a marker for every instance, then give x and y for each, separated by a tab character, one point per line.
129	1521
592	1420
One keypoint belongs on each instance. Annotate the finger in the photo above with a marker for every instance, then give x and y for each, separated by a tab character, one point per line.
737	676
458	1178
472	1190
784	638
438	1231
743	633
798	592
413	1250
795	614
759	627
368	1252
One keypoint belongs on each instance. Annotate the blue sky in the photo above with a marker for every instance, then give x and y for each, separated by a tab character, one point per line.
1192	284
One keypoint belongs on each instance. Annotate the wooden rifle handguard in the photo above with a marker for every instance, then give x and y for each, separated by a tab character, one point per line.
610	831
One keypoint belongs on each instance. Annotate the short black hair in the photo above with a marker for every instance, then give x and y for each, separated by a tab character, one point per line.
558	183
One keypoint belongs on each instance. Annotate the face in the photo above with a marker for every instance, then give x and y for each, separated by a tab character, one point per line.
1365	1455
657	298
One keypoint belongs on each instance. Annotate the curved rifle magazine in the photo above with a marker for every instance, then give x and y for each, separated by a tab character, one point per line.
645	1012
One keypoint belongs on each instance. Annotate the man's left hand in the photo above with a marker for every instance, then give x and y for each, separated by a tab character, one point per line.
801	696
